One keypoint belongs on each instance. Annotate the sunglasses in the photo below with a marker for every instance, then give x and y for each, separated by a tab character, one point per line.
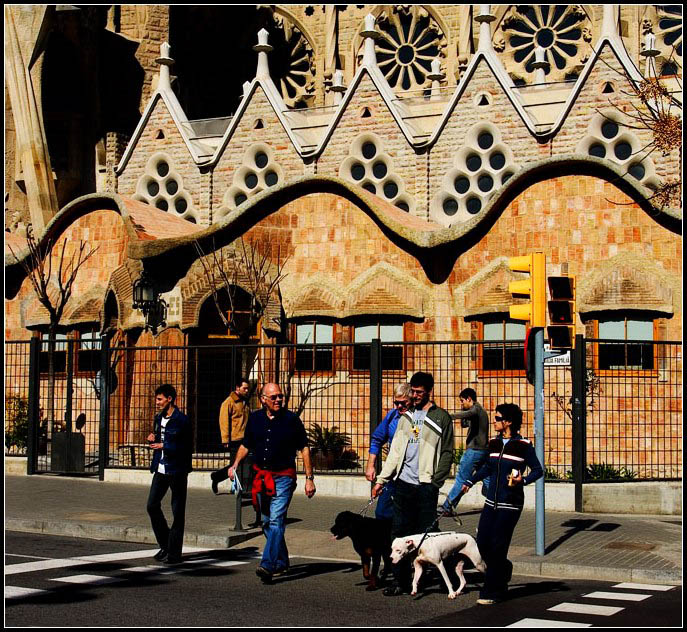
497	418
273	397
403	403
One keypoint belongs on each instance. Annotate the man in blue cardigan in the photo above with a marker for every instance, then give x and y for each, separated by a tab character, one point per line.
172	444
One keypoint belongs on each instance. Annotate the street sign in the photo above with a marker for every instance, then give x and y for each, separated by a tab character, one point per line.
555	358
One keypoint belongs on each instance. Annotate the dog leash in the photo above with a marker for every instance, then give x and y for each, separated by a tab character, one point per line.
366	507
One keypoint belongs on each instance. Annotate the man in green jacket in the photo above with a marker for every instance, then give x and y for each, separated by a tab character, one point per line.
419	461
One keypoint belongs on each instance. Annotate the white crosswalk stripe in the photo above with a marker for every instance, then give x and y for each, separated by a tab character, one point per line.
547	623
88	579
656	587
600	594
583	608
17	592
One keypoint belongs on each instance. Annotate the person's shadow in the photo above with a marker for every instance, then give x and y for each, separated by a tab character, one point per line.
577	526
301	571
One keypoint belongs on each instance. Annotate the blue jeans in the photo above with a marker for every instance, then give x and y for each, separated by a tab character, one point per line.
275	557
470	461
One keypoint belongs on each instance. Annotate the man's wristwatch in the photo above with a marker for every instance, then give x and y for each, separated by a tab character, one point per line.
310	478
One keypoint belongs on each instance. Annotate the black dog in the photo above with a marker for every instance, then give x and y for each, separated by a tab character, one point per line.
371	540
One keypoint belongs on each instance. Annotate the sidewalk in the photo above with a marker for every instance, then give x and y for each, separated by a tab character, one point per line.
630	548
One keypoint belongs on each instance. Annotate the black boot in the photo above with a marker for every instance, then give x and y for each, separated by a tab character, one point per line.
217	477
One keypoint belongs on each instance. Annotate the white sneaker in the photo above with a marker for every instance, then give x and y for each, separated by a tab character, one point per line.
486	602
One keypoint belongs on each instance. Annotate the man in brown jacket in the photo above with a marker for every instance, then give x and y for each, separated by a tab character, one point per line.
233	416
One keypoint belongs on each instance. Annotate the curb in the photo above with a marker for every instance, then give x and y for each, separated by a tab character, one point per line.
140	535
143	535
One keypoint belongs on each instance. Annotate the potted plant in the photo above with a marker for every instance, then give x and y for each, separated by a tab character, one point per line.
327	445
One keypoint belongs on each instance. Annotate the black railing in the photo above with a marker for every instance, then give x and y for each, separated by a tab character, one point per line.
633	399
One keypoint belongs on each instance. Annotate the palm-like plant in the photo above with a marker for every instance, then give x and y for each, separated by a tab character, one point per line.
327	440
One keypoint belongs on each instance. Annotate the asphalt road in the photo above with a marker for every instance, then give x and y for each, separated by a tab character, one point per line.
57	581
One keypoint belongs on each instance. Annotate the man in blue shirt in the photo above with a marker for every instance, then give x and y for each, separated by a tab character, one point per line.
274	435
172	444
384	433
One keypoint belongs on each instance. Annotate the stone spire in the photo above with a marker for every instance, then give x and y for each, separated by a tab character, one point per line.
165	61
370	35
650	52
609	26
262	48
435	76
540	65
485	18
338	87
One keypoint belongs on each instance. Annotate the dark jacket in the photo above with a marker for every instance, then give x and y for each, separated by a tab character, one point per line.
477	419
518	453
178	444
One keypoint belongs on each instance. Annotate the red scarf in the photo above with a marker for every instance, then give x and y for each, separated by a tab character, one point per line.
264	481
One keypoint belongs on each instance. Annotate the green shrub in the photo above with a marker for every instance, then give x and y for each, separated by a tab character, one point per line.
605	472
16	422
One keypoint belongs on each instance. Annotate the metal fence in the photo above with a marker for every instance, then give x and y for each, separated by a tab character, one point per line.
105	402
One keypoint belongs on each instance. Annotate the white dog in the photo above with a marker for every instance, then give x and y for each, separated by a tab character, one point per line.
434	550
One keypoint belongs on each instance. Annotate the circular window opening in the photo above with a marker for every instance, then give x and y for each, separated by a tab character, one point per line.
261	160
172	187
368	186
609	129
405	54
379	169
162	204
545	38
485	183
474	162
485	140
153	188
390	190
251	180
403	206
162	168
180	205
622	150
506	176
637	170
271	178
497	160
240	199
357	171
369	150
450	206
597	150
462	184
474	205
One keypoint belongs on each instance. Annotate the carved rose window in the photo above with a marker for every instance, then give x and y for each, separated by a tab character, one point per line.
670	26
561	30
410	40
292	64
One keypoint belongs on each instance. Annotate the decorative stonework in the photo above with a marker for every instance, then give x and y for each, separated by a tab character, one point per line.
563	31
371	168
608	138
626	283
480	168
163	187
316	297
669	37
292	63
258	172
410	39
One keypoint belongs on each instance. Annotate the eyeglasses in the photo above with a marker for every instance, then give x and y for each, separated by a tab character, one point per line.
403	403
273	397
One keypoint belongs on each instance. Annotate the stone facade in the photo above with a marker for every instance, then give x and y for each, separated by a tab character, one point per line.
385	203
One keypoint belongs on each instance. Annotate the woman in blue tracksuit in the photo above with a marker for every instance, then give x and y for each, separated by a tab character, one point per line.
385	432
509	456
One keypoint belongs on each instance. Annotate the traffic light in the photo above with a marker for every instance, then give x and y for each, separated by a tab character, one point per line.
561	330
535	287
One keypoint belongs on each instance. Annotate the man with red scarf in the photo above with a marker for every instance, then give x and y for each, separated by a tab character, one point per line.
274	435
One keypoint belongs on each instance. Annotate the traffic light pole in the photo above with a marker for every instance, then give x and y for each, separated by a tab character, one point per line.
539	436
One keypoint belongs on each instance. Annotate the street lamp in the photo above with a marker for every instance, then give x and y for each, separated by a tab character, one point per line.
146	298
